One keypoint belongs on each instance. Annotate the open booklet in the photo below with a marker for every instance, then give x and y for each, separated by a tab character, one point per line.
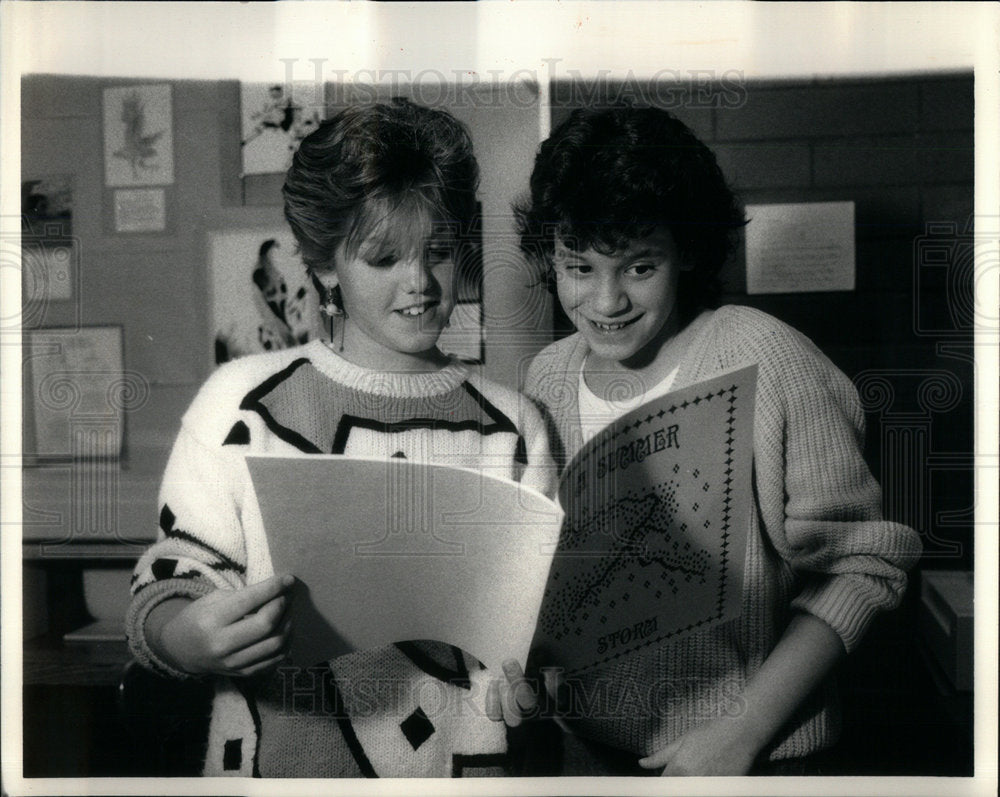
646	542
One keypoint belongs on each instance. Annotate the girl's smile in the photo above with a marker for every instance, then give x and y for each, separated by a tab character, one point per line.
417	309
615	327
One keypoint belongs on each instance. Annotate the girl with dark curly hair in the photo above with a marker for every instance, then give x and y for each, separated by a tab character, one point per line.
631	219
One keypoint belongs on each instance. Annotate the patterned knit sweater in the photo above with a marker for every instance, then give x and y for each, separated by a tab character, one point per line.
817	541
412	709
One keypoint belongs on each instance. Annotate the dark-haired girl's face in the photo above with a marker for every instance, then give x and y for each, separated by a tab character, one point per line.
624	304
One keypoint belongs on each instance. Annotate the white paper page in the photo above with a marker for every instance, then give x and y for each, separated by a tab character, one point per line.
657	512
390	550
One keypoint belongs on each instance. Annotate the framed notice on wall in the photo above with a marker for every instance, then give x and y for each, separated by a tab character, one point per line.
75	391
140	210
800	247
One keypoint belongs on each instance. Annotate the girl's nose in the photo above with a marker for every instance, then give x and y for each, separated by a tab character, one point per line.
418	277
608	298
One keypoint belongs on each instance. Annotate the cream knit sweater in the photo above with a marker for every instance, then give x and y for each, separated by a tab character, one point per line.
817	541
406	710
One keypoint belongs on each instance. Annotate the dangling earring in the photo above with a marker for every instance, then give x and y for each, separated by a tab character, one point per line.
332	302
343	324
333	307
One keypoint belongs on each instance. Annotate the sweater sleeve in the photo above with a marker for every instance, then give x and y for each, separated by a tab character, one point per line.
551	385
850	561
199	545
540	472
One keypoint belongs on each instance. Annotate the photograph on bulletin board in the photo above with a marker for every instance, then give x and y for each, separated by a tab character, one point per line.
47	242
274	119
262	298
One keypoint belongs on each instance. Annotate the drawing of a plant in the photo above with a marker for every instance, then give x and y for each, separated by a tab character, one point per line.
139	147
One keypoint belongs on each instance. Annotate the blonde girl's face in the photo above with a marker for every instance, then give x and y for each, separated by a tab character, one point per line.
398	294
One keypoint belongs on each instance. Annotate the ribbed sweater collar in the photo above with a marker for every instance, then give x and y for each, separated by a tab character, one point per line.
690	369
386	383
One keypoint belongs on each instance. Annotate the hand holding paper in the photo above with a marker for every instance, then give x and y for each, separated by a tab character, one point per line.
511	699
715	747
227	632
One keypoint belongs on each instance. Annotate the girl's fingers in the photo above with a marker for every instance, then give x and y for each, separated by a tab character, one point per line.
259	667
522	694
493	708
507	706
270	614
556	688
252	656
257	626
517	698
239	603
275	645
660	758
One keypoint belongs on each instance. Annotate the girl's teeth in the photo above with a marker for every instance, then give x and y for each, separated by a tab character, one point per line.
608	327
413	311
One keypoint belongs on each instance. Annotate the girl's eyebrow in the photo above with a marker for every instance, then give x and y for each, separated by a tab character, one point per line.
375	249
569	254
646	251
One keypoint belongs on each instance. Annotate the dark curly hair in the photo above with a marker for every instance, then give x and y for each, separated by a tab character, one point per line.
607	177
359	168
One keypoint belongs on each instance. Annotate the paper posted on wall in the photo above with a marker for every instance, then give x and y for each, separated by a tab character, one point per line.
646	542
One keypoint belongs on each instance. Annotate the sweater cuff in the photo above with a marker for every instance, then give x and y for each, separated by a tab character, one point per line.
848	603
143	603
